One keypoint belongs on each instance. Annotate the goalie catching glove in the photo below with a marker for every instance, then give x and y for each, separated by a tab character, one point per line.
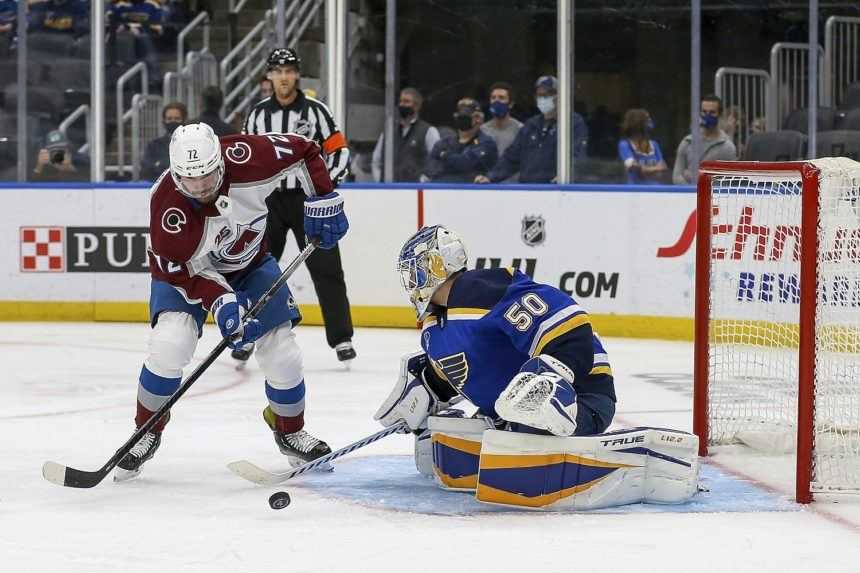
412	398
541	396
228	310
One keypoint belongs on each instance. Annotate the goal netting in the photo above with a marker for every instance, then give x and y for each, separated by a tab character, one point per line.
778	314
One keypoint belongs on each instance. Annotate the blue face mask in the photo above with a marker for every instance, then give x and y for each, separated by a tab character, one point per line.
499	109
650	125
708	121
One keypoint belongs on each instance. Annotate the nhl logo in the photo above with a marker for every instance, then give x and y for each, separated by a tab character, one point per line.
534	230
302	127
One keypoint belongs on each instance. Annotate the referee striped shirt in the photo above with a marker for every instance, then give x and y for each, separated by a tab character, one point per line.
304	116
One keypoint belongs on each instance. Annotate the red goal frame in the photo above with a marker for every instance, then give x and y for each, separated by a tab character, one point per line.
809	175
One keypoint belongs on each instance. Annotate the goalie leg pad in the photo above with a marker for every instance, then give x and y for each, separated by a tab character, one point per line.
171	346
456	447
647	465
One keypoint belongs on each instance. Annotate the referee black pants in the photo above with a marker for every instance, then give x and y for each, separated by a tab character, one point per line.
287	211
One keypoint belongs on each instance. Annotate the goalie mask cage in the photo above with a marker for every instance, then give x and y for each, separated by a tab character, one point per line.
777	333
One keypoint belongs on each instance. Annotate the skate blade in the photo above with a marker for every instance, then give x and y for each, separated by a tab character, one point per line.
347	365
240	365
121	475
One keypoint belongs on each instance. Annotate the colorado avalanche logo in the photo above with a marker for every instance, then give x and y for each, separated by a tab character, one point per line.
239	152
244	243
172	220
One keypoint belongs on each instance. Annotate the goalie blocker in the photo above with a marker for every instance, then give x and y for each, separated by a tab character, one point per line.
641	465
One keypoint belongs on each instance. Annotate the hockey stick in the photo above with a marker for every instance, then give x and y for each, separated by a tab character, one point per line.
259	476
71	477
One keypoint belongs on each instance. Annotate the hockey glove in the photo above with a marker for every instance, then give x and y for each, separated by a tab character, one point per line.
541	396
325	219
228	310
411	399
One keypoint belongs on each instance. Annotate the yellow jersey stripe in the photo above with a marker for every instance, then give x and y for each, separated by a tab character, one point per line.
563	328
601	370
462	311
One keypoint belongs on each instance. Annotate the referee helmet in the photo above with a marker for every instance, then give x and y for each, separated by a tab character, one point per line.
283	57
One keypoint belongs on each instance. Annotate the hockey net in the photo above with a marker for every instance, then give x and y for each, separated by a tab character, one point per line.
777	364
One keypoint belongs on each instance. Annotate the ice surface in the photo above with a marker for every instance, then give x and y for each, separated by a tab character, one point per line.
68	396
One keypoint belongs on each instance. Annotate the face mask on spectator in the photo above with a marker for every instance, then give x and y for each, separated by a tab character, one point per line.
405	111
708	121
170	126
649	125
499	109
462	122
546	104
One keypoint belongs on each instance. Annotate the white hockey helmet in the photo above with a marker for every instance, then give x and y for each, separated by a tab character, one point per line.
196	164
426	261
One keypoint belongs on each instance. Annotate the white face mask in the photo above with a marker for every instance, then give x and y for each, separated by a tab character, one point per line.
546	104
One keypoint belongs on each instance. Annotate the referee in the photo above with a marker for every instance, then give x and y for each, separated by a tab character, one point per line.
289	110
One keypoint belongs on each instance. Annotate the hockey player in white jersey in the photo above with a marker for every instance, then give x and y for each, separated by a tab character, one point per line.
208	255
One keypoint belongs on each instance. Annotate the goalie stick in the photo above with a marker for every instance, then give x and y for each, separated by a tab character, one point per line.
71	477
259	476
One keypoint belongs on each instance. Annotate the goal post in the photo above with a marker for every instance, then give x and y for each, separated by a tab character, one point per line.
777	315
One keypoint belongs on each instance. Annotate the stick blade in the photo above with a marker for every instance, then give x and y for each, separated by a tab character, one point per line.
253	473
70	477
54	472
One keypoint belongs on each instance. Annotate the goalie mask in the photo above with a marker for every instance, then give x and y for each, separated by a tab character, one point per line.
426	261
196	164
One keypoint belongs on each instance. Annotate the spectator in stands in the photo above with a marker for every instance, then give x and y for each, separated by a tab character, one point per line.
60	16
417	138
141	19
266	87
533	152
156	156
641	155
502	127
57	161
8	23
212	99
468	153
731	122
716	145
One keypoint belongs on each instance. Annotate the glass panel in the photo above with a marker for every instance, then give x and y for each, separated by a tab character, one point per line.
8	91
451	52
57	84
632	75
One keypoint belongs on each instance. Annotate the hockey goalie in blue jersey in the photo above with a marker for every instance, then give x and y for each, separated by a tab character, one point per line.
526	356
524	353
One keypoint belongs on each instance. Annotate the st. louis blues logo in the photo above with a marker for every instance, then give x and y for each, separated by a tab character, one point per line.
243	245
534	230
455	368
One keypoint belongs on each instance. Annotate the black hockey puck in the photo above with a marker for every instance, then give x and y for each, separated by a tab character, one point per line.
279	500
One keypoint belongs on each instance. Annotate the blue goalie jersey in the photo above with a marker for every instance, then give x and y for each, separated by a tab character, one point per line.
495	320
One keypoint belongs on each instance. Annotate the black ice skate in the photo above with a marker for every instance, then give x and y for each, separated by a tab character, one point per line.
299	447
129	467
345	353
242	354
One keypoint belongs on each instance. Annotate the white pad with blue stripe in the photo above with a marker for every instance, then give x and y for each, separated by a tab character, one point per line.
642	465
